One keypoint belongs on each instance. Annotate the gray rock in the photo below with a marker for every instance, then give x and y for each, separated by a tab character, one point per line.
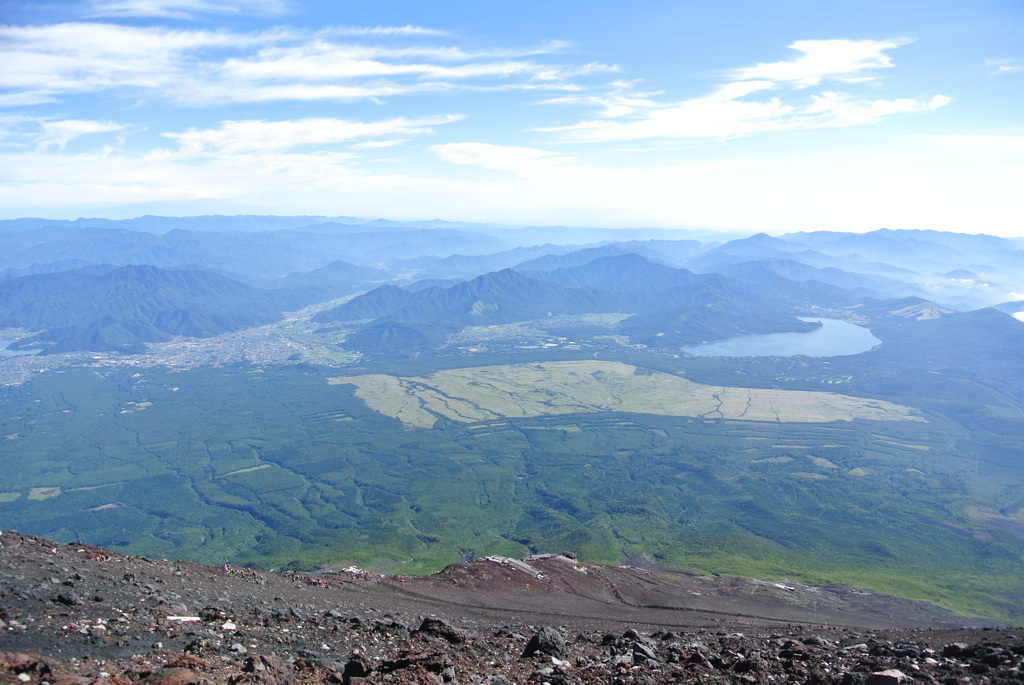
442	629
497	680
548	641
265	670
643	652
68	598
888	677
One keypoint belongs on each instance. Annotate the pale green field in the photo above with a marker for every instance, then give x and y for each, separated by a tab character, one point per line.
526	390
248	470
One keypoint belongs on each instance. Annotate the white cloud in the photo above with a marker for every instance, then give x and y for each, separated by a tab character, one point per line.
60	133
837	109
743	106
180	9
407	30
47	132
908	183
1001	67
235	137
823	59
375	144
719	115
46	63
267	181
621	101
381	70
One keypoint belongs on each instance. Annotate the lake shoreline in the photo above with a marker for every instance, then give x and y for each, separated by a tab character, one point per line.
833	338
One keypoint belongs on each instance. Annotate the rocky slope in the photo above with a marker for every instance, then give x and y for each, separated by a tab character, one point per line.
76	614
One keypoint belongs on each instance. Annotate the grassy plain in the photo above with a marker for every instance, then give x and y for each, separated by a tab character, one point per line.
486	393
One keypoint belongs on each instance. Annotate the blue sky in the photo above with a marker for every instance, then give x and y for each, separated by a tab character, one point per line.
753	115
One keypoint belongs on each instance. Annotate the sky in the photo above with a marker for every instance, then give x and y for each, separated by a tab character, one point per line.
750	115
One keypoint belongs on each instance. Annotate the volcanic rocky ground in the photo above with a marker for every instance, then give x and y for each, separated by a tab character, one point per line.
76	614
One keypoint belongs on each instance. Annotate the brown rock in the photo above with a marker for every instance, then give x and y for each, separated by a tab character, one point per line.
72	679
441	628
265	670
26	662
171	676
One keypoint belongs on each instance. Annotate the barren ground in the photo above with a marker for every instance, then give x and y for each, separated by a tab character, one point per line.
77	614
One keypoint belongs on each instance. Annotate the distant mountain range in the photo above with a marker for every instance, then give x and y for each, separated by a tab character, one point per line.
109	308
676	306
434	277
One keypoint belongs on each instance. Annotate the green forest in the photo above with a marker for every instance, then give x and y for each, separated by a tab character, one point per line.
279	467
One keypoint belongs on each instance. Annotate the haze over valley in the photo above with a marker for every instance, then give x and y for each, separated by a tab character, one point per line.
403	395
561	343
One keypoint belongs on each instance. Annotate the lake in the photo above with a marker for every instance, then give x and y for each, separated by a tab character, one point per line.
4	352
835	338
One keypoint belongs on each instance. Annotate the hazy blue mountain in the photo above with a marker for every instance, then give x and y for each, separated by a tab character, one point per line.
118	309
754	248
903	250
669	252
264	253
336	279
962	274
469	266
162	224
551	262
28	301
434	223
391	339
498	297
1012	308
620	273
914	257
672	252
965	364
967	243
427	316
46	268
379	302
925	251
770	270
716	308
669	307
416	286
535	235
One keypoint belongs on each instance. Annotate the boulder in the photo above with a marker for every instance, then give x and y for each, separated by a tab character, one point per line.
441	628
888	677
548	641
172	676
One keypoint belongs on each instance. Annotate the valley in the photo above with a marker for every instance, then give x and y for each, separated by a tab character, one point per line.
566	343
407	425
